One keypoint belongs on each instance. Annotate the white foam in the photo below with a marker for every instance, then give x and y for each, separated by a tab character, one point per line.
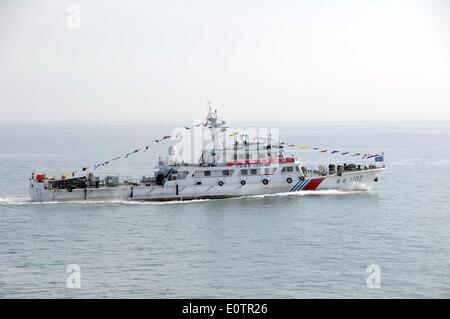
14	200
27	201
307	193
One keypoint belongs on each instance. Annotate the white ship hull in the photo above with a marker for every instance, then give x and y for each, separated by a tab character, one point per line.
175	190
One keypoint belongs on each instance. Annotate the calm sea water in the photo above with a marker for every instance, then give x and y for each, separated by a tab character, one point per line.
284	246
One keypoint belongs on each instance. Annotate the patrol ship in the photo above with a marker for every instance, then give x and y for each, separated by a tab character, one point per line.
247	167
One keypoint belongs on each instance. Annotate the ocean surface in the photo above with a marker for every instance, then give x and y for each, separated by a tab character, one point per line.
303	245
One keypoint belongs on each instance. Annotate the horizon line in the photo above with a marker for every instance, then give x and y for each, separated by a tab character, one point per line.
237	121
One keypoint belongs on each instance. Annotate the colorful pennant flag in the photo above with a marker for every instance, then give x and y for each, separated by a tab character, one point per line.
378	158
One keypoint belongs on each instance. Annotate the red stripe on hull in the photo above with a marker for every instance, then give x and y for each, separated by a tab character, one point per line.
312	185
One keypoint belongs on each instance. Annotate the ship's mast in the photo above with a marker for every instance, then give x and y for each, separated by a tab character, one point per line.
215	126
211	118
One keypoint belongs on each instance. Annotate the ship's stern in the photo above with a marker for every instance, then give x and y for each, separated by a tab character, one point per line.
38	190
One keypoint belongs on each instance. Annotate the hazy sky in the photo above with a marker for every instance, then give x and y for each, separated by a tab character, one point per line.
256	60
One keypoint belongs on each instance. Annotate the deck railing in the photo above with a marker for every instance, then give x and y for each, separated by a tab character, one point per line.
333	168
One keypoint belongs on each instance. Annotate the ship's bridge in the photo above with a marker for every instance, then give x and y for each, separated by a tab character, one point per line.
242	151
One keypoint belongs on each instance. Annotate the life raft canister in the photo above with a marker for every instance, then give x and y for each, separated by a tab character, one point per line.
265	181
289	180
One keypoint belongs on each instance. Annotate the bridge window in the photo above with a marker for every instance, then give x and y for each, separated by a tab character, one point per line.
226	173
288	169
269	171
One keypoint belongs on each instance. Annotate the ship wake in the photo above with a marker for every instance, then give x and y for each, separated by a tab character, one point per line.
20	201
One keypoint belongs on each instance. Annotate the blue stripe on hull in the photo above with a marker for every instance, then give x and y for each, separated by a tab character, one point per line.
299	185
292	189
304	185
